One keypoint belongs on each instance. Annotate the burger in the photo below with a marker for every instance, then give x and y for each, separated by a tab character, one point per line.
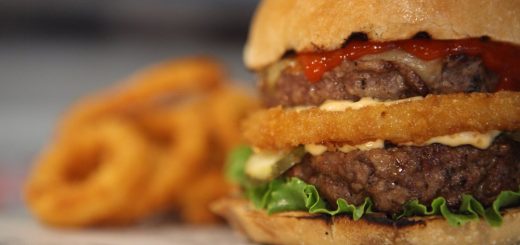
385	122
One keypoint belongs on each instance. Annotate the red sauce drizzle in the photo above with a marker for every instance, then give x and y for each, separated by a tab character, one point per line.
501	58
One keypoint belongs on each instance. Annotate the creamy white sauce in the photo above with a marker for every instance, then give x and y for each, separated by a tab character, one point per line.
315	149
475	139
342	105
363	147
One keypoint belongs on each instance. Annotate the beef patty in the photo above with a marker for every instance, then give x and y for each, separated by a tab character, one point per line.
397	174
381	79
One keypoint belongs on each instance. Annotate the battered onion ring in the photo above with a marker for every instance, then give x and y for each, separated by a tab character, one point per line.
412	121
226	107
153	85
179	156
83	180
208	187
174	118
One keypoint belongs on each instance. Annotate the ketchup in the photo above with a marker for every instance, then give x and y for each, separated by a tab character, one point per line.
502	58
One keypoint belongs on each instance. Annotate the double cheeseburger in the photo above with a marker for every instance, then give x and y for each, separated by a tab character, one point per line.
386	122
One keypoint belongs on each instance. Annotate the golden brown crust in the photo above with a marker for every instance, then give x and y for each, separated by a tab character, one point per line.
305	228
411	121
312	25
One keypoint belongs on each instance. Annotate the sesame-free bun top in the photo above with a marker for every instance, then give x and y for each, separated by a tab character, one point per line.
312	25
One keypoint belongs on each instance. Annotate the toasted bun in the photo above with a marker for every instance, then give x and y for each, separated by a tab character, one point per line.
305	228
312	25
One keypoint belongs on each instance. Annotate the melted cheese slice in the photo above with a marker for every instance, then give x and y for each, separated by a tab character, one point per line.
427	70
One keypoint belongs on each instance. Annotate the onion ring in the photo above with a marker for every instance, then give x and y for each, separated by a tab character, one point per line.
179	155
181	77
204	190
411	121
84	179
227	106
176	122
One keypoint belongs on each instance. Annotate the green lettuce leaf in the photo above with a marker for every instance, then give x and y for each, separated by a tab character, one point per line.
504	199
470	209
236	163
291	194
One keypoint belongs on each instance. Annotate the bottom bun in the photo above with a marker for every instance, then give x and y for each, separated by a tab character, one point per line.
305	228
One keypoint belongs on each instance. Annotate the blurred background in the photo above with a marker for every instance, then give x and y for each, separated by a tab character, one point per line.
53	52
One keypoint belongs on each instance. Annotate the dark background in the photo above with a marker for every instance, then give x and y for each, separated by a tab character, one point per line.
53	52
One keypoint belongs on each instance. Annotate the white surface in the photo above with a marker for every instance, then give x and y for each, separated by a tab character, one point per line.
19	229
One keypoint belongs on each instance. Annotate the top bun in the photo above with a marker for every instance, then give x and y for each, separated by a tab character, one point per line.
313	25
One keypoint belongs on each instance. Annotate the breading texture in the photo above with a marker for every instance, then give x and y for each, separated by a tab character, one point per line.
89	176
409	121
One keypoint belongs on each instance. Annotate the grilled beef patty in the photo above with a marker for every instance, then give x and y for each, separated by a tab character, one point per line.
380	79
397	174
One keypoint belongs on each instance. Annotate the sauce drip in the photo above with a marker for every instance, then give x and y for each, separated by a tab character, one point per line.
501	58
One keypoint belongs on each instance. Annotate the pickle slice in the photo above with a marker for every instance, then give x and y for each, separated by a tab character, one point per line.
263	167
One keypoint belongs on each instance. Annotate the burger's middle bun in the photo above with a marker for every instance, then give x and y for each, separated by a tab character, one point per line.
305	228
311	25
